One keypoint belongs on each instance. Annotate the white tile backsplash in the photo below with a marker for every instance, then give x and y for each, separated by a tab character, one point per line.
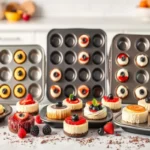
85	7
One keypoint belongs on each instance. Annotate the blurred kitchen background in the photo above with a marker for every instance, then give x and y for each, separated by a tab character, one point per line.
113	16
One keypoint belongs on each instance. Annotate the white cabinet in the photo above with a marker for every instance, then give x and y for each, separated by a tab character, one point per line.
8	38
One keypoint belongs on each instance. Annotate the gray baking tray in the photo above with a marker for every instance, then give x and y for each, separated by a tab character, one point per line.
143	128
92	123
62	53
34	65
132	45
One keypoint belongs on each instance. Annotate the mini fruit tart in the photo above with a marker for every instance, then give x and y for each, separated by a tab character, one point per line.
145	103
95	111
114	103
5	91
83	57
122	59
55	91
28	105
122	75
83	91
73	102
20	120
55	75
75	126
84	40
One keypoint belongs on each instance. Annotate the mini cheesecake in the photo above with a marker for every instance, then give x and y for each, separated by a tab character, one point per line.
55	91
5	91
73	102
122	91
20	57
134	114
28	105
75	126
95	111
84	40
122	59
141	60
2	109
83	91
55	75
140	92
58	111
83	57
19	91
18	120
114	103
19	74
145	103
122	75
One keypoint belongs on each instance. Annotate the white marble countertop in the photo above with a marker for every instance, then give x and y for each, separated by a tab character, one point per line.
44	24
119	141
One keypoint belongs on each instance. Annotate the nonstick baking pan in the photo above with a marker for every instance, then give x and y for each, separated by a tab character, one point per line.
34	81
92	123
143	128
132	46
62	53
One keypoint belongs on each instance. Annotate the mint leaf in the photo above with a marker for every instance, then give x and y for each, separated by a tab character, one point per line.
94	102
71	96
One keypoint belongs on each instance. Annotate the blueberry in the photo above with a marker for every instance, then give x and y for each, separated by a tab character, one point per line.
84	40
59	104
110	96
83	91
122	74
122	91
84	57
100	131
55	74
20	73
142	59
19	90
56	90
123	58
75	117
100	107
142	92
73	98
4	91
20	56
91	106
147	100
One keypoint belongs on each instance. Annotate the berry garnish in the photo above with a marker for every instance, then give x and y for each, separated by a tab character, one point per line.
109	128
95	106
122	74
147	99
75	117
47	130
59	104
110	96
142	59
19	90
28	100
56	74
91	106
4	91
72	97
56	90
123	58
29	97
100	131
38	119
20	73
84	40
122	90
22	133
142	92
34	130
21	116
20	56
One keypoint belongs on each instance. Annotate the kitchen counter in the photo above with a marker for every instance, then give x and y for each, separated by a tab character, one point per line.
44	24
119	141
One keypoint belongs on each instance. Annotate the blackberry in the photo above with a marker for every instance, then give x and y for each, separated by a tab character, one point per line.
100	131
34	130
110	96
47	130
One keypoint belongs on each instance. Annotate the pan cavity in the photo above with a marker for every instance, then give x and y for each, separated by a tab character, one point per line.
35	56
97	91
70	74
70	58
69	89
56	40
56	57
142	76
84	75
98	40
123	44
70	40
97	75
5	57
5	74
142	44
97	58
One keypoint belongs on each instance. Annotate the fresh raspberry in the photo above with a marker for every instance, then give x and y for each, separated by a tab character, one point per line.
38	119
22	133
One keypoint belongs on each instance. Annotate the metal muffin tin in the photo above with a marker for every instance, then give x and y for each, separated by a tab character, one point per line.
132	45
62	53
34	81
92	123
143	128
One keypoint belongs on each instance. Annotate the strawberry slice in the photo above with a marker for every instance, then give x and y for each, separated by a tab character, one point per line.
21	116
29	97
109	128
26	102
